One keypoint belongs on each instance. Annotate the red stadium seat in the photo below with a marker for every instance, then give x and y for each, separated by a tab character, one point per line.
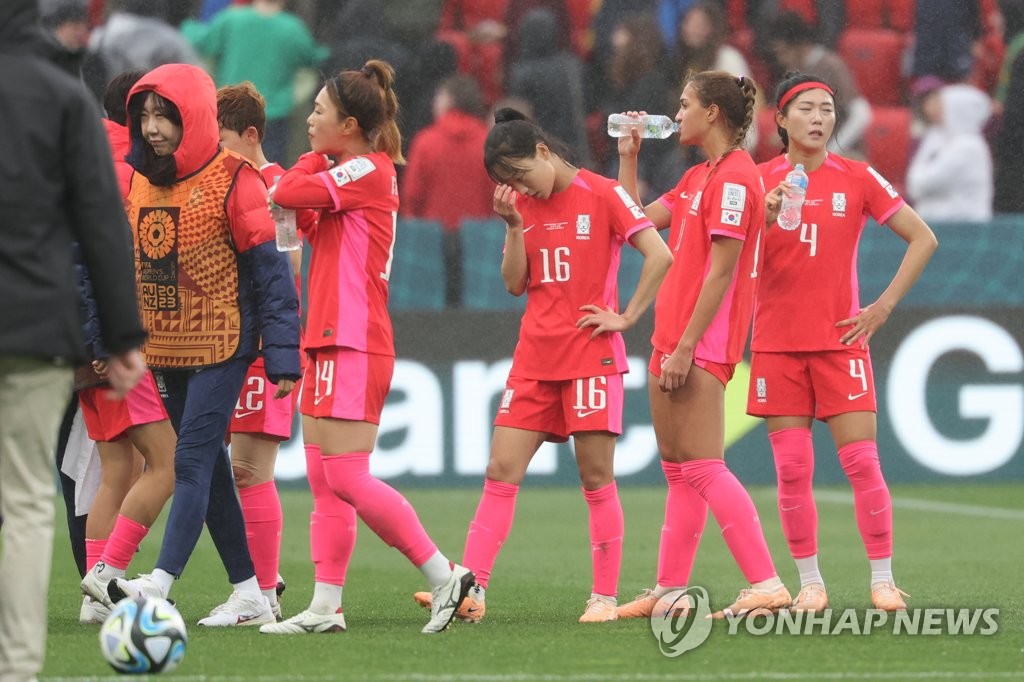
864	13
897	15
887	142
874	56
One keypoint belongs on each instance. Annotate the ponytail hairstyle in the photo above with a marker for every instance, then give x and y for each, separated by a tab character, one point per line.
368	96
514	138
787	90
734	96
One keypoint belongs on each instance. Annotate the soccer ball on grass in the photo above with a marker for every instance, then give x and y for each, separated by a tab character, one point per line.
143	635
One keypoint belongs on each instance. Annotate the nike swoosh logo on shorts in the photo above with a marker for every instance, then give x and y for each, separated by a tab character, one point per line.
317	400
580	414
854	396
243	415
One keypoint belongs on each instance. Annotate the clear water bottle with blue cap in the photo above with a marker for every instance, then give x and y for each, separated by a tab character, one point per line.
650	125
792	203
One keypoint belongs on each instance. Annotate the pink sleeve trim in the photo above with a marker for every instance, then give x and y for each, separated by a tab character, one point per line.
331	189
641	226
888	214
728	233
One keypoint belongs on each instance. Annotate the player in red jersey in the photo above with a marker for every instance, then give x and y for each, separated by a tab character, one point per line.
715	217
350	345
810	340
126	503
260	420
565	230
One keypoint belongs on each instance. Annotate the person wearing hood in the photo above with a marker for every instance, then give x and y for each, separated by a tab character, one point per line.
950	176
212	287
444	180
59	188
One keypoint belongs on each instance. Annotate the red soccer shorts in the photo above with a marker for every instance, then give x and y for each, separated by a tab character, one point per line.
257	411
722	372
342	383
561	408
821	384
108	419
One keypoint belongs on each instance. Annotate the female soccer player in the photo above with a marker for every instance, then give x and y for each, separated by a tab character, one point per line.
350	344
701	319
212	287
565	228
260	421
810	340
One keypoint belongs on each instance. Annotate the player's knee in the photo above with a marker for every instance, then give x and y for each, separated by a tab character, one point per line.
791	472
244	478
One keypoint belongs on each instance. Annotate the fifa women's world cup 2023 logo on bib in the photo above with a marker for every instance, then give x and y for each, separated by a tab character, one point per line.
158	257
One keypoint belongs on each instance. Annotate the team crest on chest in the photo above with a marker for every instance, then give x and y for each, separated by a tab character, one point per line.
583	226
839	204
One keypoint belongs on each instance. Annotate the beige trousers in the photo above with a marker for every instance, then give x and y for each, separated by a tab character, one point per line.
33	394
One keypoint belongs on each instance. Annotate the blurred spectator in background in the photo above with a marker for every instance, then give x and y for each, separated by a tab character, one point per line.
548	76
134	36
700	43
66	24
435	61
950	175
795	47
477	31
413	22
445	179
637	80
266	45
944	31
1009	147
989	48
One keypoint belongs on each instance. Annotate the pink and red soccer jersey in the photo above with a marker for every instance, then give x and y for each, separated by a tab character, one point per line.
809	275
573	242
724	201
350	266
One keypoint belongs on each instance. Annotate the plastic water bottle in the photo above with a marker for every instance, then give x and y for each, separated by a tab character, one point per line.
284	224
650	125
789	213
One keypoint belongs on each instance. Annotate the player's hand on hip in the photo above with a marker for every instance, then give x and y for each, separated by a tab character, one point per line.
864	324
602	319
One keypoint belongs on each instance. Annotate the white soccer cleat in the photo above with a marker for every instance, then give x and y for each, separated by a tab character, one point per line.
92	612
445	600
142	586
95	588
307	622
240	609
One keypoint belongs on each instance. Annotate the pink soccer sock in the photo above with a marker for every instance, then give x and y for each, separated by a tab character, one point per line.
123	541
686	513
380	506
606	530
794	468
93	552
261	507
871	500
735	513
332	525
490	526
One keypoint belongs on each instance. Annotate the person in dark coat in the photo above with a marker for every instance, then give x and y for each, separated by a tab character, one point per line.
57	187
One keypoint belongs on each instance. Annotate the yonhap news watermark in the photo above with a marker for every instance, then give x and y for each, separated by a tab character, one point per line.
681	621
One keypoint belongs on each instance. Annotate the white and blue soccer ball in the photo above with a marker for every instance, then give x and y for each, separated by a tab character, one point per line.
143	635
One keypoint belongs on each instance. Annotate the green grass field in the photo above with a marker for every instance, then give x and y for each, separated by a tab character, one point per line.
955	546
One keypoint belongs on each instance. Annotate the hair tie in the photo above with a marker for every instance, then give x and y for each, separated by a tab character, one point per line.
366	72
802	87
739	81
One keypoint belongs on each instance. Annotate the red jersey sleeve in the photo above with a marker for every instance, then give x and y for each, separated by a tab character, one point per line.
728	207
627	218
248	213
355	183
881	200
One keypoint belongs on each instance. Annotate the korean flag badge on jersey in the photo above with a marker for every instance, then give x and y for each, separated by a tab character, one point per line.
351	170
